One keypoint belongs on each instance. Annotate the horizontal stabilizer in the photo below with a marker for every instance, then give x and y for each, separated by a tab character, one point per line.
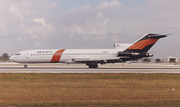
156	36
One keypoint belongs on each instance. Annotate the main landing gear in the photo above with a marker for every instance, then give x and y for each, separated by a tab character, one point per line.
92	65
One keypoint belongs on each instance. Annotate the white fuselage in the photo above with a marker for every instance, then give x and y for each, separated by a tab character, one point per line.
121	53
64	56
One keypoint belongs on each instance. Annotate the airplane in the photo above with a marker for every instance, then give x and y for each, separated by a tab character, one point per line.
90	57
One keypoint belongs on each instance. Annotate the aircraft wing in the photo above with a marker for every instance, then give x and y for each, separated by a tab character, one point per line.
105	60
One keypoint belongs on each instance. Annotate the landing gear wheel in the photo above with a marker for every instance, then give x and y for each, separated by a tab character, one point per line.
90	66
93	65
25	66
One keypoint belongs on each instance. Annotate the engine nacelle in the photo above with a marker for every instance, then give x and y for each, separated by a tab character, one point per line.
134	54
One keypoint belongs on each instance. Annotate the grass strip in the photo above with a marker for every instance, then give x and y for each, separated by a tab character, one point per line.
89	90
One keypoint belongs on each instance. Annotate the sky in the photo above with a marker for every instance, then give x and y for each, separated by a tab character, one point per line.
88	24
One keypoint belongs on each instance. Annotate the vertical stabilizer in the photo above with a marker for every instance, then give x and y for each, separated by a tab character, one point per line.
144	43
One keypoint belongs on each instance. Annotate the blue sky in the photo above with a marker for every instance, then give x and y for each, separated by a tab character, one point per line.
88	24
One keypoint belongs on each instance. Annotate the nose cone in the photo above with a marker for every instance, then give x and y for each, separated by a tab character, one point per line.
12	58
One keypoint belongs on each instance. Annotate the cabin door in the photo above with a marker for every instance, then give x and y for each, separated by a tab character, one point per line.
27	56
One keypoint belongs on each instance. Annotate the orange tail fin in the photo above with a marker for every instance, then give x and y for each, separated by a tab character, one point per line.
145	43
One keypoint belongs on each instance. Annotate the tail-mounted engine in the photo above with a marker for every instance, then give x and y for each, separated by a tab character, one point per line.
131	54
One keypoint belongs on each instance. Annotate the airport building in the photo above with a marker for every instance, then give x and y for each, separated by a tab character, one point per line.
173	60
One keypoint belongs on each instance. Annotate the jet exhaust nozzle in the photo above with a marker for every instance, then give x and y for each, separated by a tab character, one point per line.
149	55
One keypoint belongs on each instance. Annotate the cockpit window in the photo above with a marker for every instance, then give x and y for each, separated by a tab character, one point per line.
18	54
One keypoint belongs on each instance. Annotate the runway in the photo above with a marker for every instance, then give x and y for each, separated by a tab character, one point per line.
53	70
78	68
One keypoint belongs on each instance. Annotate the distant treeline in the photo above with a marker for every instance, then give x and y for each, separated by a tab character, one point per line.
4	57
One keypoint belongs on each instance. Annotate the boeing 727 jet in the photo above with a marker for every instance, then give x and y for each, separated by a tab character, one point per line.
90	57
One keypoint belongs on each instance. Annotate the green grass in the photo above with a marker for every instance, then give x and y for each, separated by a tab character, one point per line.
95	90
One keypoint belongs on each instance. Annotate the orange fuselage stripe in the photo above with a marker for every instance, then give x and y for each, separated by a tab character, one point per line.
142	44
56	57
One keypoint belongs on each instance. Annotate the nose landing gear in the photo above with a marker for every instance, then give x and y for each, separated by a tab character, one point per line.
25	66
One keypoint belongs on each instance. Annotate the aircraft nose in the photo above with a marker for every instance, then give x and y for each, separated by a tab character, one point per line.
12	58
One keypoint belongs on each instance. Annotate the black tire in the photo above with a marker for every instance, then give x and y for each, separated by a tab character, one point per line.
95	66
90	66
25	66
